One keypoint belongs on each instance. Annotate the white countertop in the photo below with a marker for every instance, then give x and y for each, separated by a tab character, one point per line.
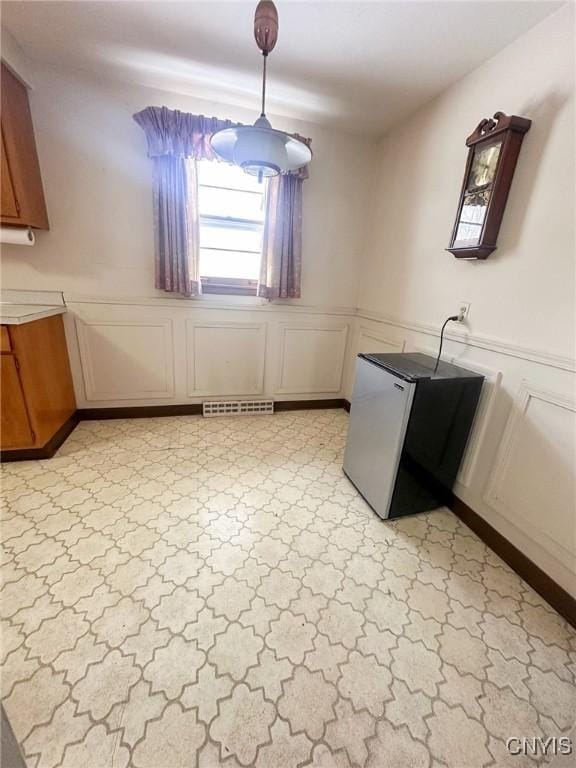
16	314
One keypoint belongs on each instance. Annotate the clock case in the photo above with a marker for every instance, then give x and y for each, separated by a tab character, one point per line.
508	130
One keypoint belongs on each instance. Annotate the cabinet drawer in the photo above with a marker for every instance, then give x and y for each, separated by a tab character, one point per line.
5	345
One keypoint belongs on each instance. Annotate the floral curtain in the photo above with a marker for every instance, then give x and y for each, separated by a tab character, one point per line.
281	266
280	269
174	138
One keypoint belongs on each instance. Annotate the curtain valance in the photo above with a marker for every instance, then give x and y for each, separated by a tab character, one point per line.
182	134
179	134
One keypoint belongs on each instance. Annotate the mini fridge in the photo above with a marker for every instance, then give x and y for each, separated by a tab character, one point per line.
408	429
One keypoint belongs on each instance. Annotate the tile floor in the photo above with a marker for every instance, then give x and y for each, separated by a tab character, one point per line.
196	592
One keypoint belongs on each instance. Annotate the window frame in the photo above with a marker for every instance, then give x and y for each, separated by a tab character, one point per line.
230	286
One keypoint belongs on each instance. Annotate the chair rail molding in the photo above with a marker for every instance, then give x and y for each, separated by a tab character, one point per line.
212	303
472	340
539	496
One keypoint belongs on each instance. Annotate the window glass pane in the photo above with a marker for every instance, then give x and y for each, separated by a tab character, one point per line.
224	175
214	201
228	248
215	235
229	264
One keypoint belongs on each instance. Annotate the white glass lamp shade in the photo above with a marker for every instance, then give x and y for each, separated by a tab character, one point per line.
260	150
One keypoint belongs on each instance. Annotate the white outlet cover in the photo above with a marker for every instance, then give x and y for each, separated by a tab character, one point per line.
464	308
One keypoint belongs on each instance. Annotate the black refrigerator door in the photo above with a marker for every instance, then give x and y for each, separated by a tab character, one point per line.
440	421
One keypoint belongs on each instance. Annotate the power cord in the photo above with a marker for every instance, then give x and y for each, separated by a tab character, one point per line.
455	318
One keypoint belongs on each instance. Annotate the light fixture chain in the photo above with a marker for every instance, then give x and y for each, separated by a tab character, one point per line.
265	56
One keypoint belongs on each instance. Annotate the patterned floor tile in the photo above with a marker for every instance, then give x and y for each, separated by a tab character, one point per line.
214	592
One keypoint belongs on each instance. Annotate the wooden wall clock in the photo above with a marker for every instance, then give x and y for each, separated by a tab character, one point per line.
494	148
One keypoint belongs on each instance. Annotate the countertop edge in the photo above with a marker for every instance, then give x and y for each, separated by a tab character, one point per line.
34	314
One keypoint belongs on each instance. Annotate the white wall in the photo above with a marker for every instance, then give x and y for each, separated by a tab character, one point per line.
519	469
133	345
524	292
97	182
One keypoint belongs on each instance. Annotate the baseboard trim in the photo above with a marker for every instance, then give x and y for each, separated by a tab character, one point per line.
48	449
139	412
193	409
552	592
346	406
307	405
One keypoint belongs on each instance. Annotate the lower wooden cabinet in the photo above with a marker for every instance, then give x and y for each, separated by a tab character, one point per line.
36	392
16	429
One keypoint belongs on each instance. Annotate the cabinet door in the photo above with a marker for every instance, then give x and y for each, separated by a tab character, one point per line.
40	347
15	430
9	204
5	343
19	156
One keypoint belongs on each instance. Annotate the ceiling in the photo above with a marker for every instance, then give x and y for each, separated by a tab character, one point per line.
359	65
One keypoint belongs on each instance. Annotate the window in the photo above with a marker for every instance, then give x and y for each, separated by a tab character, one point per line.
231	208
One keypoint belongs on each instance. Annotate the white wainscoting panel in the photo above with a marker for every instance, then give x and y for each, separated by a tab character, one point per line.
412	347
482	419
225	358
372	341
532	484
126	359
311	358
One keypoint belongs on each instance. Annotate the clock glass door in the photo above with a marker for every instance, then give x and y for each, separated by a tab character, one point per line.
477	193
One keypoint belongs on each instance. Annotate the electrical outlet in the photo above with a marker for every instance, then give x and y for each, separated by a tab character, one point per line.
463	311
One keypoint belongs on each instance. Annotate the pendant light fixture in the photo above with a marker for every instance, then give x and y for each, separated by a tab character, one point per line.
259	149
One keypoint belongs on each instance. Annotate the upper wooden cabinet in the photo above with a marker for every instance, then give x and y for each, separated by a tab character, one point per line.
22	201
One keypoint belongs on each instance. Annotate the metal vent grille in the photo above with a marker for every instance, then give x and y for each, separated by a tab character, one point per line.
237	407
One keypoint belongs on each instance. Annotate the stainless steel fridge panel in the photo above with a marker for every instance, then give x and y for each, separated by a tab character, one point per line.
378	418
